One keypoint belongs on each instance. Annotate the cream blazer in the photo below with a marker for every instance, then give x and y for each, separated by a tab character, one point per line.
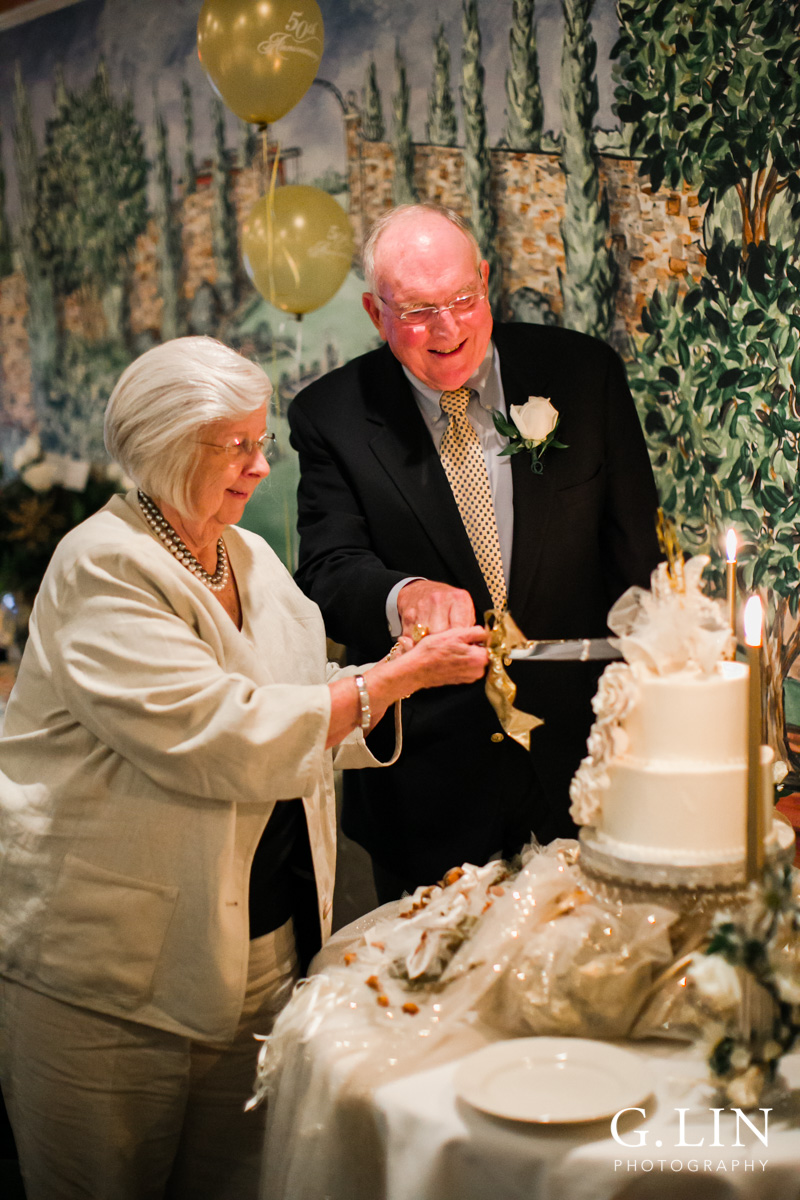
145	744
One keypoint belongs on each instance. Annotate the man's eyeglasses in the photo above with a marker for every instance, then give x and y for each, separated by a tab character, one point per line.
242	449
427	314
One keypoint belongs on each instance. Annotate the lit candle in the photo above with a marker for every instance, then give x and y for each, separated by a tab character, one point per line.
731	547
755	813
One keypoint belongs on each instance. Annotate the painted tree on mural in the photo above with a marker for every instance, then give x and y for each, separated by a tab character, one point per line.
373	126
6	266
712	88
588	282
477	160
91	194
40	322
224	226
168	248
718	372
189	167
524	104
441	128
403	190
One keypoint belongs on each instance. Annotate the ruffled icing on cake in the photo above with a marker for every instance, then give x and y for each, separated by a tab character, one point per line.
659	632
616	695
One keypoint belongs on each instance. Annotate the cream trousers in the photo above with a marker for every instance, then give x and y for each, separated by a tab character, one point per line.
104	1109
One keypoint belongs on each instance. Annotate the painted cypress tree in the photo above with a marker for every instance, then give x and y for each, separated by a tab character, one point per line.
442	126
249	144
477	161
60	93
169	247
6	263
41	319
92	196
589	280
189	165
403	191
524	104
224	229
373	126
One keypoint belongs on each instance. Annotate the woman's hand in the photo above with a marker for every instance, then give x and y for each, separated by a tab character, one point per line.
456	655
453	656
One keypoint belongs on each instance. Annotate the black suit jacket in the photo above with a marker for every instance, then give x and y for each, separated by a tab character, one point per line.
375	506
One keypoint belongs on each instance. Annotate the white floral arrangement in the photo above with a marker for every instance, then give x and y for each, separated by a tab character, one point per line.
532	428
747	979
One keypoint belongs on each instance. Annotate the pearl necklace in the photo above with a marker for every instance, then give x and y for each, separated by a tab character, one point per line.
161	526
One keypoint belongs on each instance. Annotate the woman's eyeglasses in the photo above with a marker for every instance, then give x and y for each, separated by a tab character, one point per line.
242	449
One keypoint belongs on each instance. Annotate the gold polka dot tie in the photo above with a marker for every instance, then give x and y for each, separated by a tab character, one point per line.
464	466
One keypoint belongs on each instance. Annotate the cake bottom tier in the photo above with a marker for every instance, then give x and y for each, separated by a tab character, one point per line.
669	814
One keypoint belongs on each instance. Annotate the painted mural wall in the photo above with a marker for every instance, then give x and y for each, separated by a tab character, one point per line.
631	170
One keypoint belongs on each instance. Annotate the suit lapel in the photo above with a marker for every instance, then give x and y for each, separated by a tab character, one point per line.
402	445
533	494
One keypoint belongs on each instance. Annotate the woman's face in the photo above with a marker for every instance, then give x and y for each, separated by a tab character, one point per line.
224	480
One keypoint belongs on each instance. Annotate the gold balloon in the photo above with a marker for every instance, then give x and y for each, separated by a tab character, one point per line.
260	55
297	247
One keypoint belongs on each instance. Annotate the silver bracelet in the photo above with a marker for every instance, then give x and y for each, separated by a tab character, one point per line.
363	700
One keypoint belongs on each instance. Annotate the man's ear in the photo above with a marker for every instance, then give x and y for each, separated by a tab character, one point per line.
373	311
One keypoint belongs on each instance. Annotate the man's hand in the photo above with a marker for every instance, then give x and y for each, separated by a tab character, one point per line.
435	606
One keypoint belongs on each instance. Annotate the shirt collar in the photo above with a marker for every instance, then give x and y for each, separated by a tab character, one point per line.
429	397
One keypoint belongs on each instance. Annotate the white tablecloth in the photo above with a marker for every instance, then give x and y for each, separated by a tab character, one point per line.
339	1129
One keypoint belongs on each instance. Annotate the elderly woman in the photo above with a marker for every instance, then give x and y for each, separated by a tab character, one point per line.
166	801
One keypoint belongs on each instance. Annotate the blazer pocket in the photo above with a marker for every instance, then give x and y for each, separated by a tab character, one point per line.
105	934
579	493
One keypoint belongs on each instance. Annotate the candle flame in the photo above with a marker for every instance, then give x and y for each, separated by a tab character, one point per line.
731	545
752	621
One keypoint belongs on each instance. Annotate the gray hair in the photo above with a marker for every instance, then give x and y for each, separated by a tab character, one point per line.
164	398
403	212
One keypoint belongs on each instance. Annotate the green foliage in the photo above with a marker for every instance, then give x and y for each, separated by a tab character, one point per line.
524	104
91	201
477	162
712	88
331	181
72	420
403	190
760	942
33	523
717	382
442	126
372	124
589	281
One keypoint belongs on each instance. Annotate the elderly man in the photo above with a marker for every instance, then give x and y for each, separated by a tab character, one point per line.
409	515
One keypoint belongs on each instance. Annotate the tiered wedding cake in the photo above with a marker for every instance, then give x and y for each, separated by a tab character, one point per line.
665	778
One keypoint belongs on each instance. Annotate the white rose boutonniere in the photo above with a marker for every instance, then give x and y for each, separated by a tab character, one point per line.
533	429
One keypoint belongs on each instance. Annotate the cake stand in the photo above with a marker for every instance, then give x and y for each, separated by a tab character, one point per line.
694	890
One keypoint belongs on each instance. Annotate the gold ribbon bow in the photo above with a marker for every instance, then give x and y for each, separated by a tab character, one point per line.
505	636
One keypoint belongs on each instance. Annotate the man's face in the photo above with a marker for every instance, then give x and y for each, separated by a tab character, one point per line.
427	261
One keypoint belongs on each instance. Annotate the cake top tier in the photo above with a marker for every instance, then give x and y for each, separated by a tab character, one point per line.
672	626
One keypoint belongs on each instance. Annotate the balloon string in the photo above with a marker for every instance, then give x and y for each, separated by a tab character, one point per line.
299	346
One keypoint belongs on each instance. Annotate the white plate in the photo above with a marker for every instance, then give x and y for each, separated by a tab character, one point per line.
551	1080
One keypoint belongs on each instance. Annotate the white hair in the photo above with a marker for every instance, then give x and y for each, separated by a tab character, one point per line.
404	212
164	399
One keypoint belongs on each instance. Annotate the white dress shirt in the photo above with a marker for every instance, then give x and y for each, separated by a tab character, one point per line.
487	389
